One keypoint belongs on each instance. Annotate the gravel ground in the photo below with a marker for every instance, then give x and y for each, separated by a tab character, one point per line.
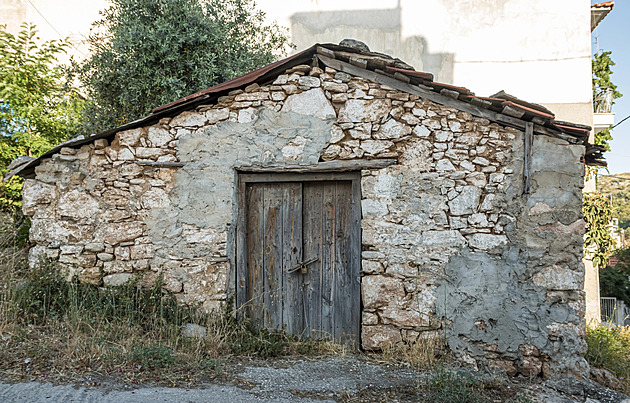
296	380
282	381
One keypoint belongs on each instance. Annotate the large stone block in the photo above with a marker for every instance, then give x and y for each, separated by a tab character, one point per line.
392	129
443	238
188	119
77	205
360	110
379	291
35	193
312	102
117	279
217	115
115	233
558	277
403	317
129	138
466	202
486	241
159	136
379	337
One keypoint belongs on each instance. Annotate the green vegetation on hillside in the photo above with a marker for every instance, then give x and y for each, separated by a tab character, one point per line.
617	188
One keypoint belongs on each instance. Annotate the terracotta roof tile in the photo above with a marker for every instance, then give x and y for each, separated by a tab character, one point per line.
607	4
411	73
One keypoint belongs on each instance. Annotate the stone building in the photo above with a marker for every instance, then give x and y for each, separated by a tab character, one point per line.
338	193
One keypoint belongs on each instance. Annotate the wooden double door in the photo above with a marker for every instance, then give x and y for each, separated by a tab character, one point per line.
299	252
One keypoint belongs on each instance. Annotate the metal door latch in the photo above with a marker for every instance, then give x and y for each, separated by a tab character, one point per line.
302	266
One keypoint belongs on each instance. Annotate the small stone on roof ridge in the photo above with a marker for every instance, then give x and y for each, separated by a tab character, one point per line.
356	45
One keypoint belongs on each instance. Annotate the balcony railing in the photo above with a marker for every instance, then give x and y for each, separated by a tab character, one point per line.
602	99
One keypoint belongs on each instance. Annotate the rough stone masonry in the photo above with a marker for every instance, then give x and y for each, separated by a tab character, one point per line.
451	246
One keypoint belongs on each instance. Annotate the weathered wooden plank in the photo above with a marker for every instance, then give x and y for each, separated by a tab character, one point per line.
160	164
527	157
520	124
358	61
326	52
354	251
328	166
242	275
290	177
272	255
292	302
328	253
312	223
343	301
255	247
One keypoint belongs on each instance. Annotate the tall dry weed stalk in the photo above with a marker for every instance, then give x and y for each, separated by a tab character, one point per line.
426	353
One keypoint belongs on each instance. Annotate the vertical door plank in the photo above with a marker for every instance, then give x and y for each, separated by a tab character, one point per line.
272	256
346	304
255	248
292	301
312	230
343	300
354	251
242	274
329	267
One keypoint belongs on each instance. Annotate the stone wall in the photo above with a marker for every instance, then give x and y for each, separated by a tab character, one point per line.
450	245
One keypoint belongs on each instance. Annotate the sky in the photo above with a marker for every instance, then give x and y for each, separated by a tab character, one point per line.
613	34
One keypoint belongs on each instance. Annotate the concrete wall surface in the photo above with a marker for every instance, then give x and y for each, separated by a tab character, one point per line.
534	49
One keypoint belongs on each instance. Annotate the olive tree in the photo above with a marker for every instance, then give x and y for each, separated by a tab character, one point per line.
146	53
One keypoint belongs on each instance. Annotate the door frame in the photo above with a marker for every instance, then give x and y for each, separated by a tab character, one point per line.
243	178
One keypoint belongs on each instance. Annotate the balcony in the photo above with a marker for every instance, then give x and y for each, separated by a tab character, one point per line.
603	117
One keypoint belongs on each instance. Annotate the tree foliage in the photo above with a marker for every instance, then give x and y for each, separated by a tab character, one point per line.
615	281
598	214
603	87
38	108
146	53
617	188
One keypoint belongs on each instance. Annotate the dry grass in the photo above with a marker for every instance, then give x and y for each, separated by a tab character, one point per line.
427	353
64	331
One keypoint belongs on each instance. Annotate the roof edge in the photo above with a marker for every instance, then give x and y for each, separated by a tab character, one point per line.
501	108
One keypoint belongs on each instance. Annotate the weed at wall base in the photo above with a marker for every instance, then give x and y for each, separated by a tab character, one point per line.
609	348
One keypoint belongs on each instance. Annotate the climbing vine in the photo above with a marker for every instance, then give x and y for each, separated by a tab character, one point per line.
598	214
604	92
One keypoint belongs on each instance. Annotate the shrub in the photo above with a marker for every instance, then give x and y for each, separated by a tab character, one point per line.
609	348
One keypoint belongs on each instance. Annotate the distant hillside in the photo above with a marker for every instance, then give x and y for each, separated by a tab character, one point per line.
617	186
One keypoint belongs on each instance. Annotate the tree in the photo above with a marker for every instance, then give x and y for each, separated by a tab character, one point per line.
38	108
604	91
146	53
615	281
